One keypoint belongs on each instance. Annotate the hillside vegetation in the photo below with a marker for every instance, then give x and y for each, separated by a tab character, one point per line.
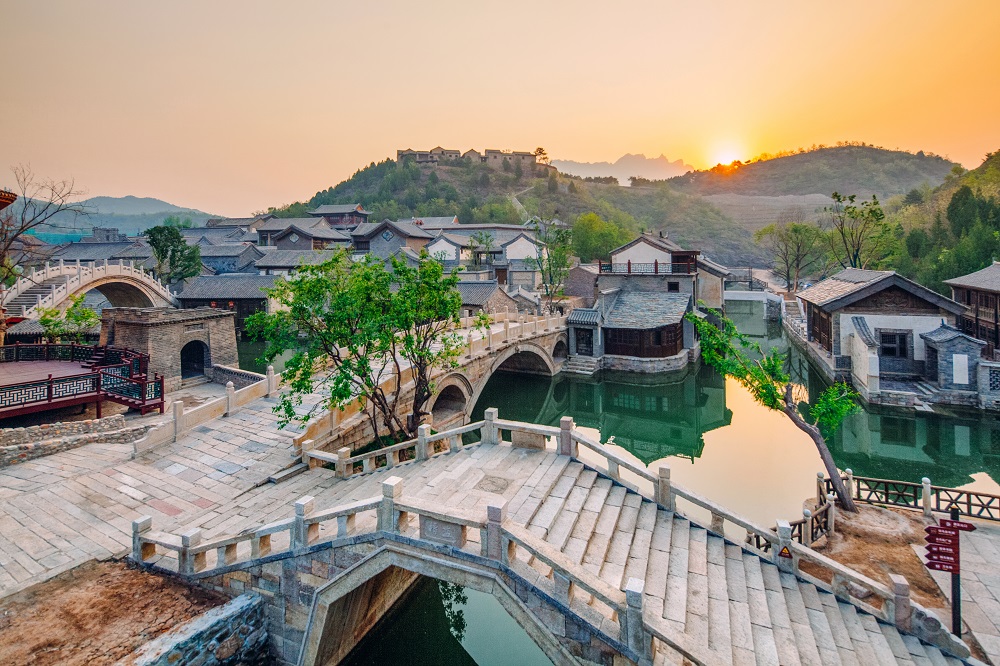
855	169
950	230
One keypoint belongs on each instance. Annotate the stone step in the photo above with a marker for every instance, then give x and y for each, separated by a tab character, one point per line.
288	473
583	530
568	516
543	519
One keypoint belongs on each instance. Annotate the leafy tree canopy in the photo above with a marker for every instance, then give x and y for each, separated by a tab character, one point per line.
175	259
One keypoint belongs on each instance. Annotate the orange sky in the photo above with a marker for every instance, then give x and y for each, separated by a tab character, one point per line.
231	106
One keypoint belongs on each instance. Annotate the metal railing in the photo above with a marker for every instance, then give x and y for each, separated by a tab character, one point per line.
654	268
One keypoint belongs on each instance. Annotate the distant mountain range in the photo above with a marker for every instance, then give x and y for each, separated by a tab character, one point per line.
129	214
626	166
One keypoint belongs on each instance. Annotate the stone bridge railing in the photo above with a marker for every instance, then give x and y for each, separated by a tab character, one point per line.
79	274
496	540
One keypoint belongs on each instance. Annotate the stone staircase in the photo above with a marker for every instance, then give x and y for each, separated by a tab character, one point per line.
581	365
29	297
707	593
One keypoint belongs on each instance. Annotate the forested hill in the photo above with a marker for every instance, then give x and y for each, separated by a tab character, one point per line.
478	194
855	169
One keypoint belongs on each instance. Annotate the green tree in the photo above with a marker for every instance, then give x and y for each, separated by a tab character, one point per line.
350	326
963	210
175	259
860	237
506	166
518	171
555	244
541	156
73	323
795	246
176	221
917	243
481	243
594	237
553	183
763	374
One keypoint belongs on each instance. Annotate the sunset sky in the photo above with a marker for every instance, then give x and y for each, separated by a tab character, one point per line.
230	107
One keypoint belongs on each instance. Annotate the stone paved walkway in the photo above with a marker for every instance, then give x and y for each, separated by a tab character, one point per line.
980	552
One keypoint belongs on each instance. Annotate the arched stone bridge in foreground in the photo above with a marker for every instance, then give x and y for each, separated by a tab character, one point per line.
597	558
123	284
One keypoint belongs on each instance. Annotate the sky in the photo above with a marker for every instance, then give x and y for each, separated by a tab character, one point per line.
233	106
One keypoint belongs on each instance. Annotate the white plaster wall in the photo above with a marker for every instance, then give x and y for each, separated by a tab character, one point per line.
864	362
641	253
446	249
522	248
916	323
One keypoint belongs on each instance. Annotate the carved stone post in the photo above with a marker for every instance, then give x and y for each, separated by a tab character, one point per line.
272	384
567	447
634	633
926	496
142	551
230	399
470	345
343	453
807	527
664	493
849	481
832	515
820	489
178	419
191	563
303	534
392	490
493	543
491	434
423	432
782	553
901	601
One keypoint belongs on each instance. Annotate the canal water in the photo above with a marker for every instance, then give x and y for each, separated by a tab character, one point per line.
718	443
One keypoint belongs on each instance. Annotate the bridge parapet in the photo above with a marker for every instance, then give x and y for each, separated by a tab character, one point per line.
497	543
79	275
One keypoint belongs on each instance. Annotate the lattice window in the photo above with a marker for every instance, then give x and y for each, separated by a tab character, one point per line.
995	379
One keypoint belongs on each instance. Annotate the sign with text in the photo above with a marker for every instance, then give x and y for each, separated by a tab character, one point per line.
941	531
941	540
947	549
943	566
958	525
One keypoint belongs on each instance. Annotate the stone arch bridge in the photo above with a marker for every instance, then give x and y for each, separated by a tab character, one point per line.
123	284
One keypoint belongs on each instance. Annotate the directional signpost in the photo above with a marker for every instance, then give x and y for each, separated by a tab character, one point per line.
943	554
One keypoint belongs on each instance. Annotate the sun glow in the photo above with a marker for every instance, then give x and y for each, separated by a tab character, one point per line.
725	156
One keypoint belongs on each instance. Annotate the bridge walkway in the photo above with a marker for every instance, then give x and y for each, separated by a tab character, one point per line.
720	601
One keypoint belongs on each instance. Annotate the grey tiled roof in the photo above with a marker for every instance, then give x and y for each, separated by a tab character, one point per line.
90	251
944	333
842	284
139	250
235	221
229	286
987	279
865	333
584	316
293	258
476	292
367	229
646	309
281	223
215	235
228	250
338	209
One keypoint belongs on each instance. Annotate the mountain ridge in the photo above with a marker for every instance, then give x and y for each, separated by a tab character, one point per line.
626	166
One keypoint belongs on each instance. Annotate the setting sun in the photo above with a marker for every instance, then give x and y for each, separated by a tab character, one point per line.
726	155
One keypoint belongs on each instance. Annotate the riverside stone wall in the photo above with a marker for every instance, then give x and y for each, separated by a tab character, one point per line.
73	435
240	378
224	636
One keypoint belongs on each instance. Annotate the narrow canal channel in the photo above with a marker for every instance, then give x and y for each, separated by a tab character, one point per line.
718	442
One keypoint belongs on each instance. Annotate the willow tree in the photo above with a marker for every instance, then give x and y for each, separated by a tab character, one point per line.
763	374
356	330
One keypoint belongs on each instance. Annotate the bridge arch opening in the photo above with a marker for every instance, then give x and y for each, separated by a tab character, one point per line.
122	294
450	403
527	360
560	351
194	359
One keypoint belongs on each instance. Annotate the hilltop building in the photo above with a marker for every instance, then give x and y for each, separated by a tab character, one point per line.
979	293
490	157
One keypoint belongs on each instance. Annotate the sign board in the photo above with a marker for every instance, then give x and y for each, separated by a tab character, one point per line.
943	566
941	540
946	549
942	557
957	525
784	552
941	531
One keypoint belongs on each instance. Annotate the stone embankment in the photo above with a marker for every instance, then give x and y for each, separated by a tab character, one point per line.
18	445
231	634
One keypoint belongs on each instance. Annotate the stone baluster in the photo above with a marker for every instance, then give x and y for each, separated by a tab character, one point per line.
260	546
391	459
178	419
303	534
344	468
345	524
506	329
633	632
567	447
849	482
272	384
563	588
718	524
225	555
453	444
471	342
423	432
191	563
493	541
491	433
142	550
230	399
664	493
368	464
392	490
901	602
925	497
820	488
807	527
831	517
784	556
613	470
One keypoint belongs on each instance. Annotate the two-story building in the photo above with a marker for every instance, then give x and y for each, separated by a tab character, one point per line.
285	262
979	292
231	258
301	233
342	216
383	239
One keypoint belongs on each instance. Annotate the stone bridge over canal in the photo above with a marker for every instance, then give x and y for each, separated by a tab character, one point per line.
597	558
123	284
